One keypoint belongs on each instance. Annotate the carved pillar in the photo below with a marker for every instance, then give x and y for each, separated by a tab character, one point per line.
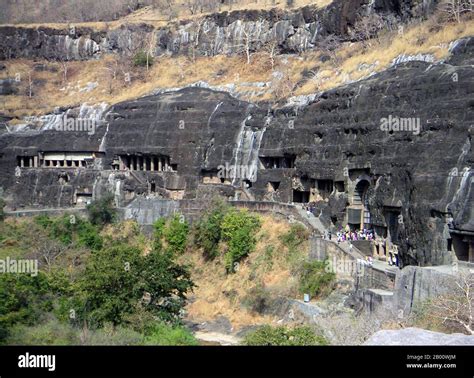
35	161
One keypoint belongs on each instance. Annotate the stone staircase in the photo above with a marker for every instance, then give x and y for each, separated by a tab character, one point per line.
315	222
373	296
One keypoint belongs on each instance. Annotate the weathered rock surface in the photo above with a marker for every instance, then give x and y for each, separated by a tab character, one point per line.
420	181
8	87
417	336
220	33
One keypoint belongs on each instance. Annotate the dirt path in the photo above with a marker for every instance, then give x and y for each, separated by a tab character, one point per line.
217	338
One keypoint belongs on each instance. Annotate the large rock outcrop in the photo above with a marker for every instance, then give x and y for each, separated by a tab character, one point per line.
417	336
344	151
220	33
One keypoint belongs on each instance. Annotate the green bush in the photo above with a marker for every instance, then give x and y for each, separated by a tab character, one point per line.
283	336
163	334
158	234
88	235
296	236
102	212
176	234
259	299
50	333
70	228
110	335
142	59
208	231
315	280
23	300
239	228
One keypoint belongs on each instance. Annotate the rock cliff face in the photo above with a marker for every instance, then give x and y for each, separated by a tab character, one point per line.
393	152
222	33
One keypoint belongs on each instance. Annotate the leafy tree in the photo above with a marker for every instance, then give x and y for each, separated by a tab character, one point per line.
166	284
117	278
102	212
23	299
158	234
239	228
208	231
88	235
108	289
176	234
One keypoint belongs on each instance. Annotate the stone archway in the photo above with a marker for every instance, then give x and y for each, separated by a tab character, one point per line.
360	199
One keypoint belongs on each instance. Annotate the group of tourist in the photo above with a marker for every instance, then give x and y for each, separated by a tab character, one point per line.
354	235
310	209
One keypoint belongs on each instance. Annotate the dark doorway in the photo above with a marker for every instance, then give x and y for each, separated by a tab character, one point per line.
300	196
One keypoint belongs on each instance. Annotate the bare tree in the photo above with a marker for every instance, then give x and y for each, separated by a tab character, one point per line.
271	50
283	85
30	83
64	62
47	251
112	69
330	46
193	6
150	48
455	9
457	307
366	28
249	39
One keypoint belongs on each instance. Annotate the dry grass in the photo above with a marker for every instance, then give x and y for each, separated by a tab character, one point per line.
50	90
354	61
351	62
179	11
220	294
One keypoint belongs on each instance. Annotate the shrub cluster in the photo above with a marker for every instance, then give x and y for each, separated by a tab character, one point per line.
283	336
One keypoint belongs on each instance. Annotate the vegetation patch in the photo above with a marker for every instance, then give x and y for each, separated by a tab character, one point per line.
239	228
315	280
283	336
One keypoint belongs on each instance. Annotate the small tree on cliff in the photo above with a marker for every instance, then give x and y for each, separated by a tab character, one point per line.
101	211
366	28
455	9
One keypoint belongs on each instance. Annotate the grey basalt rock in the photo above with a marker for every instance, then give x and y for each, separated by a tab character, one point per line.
417	336
8	87
335	137
220	33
